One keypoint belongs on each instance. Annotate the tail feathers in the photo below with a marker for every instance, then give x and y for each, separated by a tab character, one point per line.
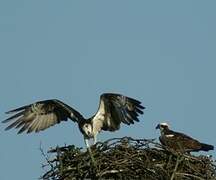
206	147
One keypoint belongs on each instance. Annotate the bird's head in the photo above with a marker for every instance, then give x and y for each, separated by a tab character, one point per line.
87	129
163	126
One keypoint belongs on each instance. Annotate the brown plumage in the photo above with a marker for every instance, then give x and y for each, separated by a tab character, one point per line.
179	141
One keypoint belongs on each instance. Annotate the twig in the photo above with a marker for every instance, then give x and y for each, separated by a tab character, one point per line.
109	172
189	175
179	159
45	156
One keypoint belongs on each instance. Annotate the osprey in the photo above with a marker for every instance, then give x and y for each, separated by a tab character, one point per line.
179	141
113	109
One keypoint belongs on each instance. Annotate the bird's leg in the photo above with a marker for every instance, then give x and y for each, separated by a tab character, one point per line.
86	142
95	139
90	152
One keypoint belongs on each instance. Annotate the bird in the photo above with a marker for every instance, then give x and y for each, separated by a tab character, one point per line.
180	142
113	110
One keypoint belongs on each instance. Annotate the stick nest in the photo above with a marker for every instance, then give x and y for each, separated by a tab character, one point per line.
126	158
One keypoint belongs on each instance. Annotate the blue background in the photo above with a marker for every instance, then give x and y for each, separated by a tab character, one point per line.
160	52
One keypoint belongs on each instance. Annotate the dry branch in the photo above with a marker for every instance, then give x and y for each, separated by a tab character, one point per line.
127	158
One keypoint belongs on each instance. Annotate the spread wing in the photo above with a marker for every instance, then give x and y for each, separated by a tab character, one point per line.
180	142
41	115
114	109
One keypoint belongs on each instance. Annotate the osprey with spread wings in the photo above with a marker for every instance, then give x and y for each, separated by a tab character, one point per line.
113	109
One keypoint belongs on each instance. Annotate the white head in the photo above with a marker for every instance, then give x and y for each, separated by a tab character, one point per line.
87	130
163	126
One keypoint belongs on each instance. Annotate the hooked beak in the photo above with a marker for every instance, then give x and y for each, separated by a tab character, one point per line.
158	126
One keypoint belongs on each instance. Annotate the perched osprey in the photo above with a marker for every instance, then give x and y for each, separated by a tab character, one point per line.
179	141
113	109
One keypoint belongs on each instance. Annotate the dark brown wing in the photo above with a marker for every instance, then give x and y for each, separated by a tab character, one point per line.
114	109
180	142
41	115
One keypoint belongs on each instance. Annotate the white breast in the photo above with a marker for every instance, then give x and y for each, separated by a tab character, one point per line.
99	118
169	135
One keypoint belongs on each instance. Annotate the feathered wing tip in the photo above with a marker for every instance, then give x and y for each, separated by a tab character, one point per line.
127	108
12	117
138	107
19	112
206	147
17	123
18	118
40	116
17	109
135	110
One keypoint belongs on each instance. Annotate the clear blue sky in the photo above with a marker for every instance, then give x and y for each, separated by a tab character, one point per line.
160	52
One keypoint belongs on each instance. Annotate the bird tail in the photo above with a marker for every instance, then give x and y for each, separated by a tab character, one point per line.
206	147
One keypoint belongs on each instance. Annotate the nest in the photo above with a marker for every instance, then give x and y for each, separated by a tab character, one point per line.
126	158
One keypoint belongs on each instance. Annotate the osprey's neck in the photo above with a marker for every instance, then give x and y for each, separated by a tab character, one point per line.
165	131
